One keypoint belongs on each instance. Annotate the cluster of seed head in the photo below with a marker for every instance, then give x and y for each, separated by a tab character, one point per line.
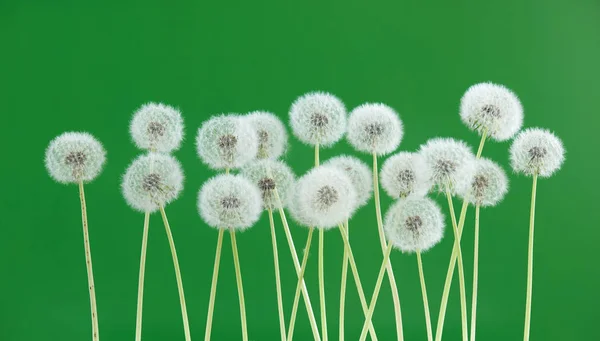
451	162
359	174
270	132
152	181
74	157
226	141
487	186
318	118
274	179
229	202
405	174
537	151
157	127
375	128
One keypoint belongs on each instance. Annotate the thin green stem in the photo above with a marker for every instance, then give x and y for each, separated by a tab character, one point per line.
300	285
530	260
343	286
481	143
277	277
240	286
475	275
390	271
317	155
322	286
186	324
425	300
138	321
213	287
88	264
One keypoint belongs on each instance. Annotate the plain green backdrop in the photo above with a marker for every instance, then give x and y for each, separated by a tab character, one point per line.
87	65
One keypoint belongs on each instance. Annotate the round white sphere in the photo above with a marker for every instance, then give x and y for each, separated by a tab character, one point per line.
324	198
405	174
537	151
270	175
157	127
229	202
451	162
414	224
358	172
492	108
74	157
487	186
318	118
271	134
151	181
375	128
226	141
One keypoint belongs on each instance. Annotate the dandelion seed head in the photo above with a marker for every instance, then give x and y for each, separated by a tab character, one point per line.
487	186
226	141
414	224
318	118
73	157
271	134
157	127
537	150
493	108
229	202
450	161
152	180
359	174
269	175
375	128
405	174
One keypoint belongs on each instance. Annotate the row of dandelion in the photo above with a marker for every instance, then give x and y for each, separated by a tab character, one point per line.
246	151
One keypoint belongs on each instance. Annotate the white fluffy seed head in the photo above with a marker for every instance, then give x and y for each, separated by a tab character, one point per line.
271	134
318	118
374	128
157	127
487	186
226	141
229	202
405	174
152	180
537	151
323	198
493	108
414	224
359	174
73	157
270	175
451	162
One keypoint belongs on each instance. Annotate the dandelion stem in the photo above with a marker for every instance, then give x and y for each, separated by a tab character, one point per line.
213	287
140	303
359	288
88	263
369	316
186	324
343	285
481	143
461	273
322	286
317	155
425	300
390	271
530	260
240	287
277	277
300	285
475	275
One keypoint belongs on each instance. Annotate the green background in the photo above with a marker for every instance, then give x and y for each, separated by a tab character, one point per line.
87	65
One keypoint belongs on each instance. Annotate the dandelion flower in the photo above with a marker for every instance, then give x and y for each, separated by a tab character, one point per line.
487	186
271	134
318	118
492	108
537	151
226	141
151	181
374	128
157	127
271	175
359	174
414	224
450	161
324	198
229	201
404	174
75	157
